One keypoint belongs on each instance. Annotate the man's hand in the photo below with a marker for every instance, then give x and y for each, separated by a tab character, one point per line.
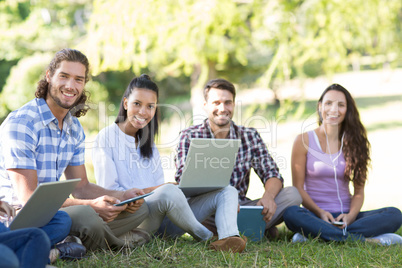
104	207
269	207
272	188
133	206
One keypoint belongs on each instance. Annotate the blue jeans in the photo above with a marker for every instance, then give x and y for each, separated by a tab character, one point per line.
23	247
367	224
7	257
221	202
58	228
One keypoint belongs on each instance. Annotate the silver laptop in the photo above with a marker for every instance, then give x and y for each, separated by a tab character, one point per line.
209	165
43	204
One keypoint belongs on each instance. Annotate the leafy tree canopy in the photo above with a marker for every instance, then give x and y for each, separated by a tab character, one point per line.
200	37
28	26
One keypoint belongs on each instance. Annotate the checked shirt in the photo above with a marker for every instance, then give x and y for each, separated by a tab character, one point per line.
31	139
253	154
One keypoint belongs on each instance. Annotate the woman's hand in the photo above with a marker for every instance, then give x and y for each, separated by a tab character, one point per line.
134	206
348	219
326	216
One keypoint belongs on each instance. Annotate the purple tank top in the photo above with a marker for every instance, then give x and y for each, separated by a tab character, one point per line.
320	181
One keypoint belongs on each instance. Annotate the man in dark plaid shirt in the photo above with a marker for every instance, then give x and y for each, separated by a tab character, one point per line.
219	96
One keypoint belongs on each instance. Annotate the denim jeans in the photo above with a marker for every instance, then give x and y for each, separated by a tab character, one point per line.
367	224
222	202
58	227
169	201
8	258
23	247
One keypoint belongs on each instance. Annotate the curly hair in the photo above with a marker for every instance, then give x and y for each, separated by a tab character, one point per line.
356	148
80	108
147	134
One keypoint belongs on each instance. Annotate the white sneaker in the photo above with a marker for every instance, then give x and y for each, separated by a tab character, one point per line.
299	238
388	239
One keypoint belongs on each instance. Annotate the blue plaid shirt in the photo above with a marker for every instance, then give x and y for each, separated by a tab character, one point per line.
31	139
253	153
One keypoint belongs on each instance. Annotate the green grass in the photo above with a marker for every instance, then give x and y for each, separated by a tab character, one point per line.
186	252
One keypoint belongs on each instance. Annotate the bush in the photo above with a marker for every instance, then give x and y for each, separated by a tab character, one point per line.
21	84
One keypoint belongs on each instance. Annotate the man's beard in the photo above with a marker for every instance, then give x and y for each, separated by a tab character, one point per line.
58	101
220	124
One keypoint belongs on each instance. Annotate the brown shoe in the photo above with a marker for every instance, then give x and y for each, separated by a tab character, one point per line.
232	243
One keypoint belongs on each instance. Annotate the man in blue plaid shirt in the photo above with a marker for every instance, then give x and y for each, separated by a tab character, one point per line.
44	139
219	96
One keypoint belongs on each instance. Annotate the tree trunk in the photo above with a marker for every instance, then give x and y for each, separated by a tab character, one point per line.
203	72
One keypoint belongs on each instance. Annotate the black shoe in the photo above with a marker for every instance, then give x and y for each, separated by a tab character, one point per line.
71	250
272	233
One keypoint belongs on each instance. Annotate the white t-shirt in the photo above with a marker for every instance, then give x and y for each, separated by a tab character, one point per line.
118	164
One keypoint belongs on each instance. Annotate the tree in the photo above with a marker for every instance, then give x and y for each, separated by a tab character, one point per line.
322	37
282	39
28	27
21	83
169	37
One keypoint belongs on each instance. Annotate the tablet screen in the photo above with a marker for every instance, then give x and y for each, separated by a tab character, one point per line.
132	199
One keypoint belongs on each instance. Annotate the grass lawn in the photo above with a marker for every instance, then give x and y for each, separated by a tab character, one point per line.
186	252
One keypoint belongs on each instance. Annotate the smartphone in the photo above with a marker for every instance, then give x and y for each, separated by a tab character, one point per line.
339	223
132	199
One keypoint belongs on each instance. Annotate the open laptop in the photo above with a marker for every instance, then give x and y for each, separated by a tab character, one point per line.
209	165
43	204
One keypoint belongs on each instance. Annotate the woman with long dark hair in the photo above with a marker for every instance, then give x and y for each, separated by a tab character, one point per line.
324	162
125	157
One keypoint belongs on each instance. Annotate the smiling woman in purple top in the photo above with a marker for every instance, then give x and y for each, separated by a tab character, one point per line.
324	162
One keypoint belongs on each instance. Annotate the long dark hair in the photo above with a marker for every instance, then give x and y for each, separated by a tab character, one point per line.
356	148
72	55
146	135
